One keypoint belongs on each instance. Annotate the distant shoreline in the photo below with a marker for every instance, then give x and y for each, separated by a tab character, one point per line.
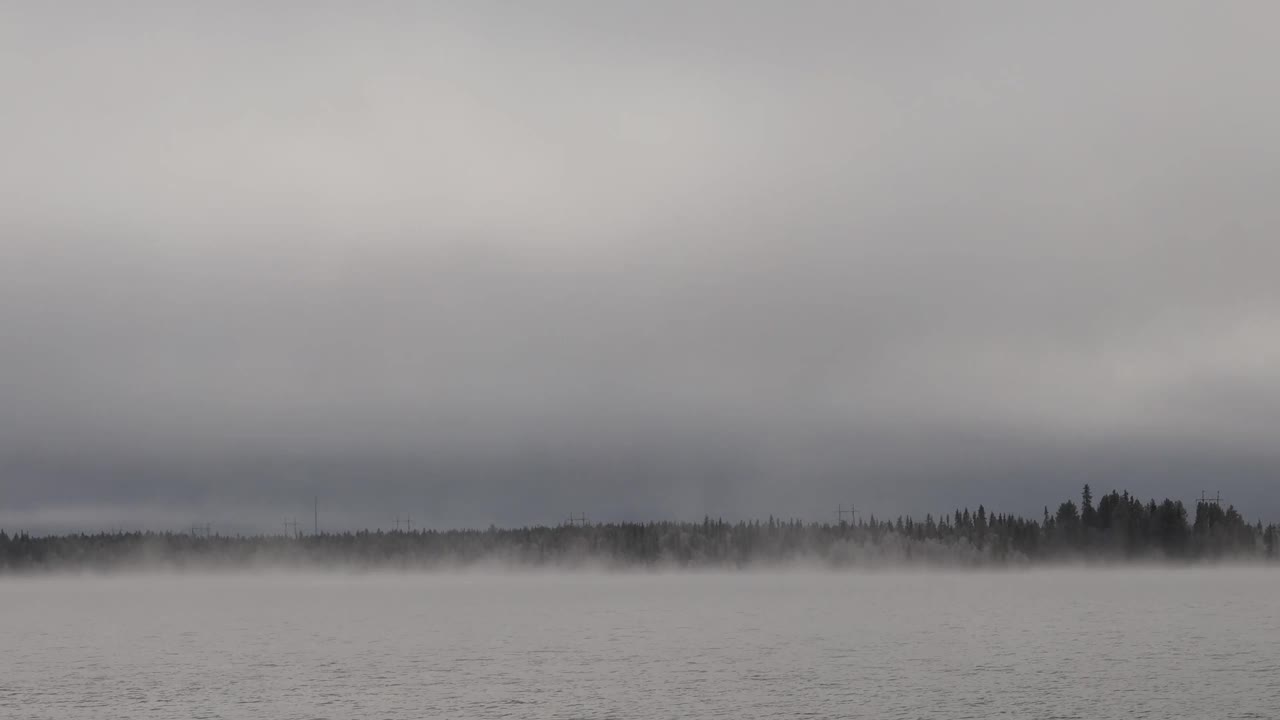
1118	529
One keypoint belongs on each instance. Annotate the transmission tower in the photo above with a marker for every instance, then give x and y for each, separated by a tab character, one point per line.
852	512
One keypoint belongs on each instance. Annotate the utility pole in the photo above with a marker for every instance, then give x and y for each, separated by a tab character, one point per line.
291	525
317	516
580	519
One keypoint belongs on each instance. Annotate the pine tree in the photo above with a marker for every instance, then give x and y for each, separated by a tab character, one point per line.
1088	516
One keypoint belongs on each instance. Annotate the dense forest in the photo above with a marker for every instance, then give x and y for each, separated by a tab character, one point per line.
1116	527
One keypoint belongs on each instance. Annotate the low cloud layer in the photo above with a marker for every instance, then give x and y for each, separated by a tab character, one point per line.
486	264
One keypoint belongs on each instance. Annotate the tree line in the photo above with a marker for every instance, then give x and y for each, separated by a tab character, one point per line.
1117	527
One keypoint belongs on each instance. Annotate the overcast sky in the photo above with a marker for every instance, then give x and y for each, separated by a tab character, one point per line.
503	262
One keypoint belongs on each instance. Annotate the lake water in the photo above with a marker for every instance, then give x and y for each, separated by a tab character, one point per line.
1185	643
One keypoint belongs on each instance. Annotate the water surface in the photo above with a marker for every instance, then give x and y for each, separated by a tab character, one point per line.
1187	643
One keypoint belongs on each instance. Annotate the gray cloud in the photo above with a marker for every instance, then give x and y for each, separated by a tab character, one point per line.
487	263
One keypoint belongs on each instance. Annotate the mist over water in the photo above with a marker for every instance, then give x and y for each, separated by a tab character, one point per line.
1120	528
1037	644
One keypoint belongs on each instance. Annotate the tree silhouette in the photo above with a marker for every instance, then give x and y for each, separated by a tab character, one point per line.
1120	527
